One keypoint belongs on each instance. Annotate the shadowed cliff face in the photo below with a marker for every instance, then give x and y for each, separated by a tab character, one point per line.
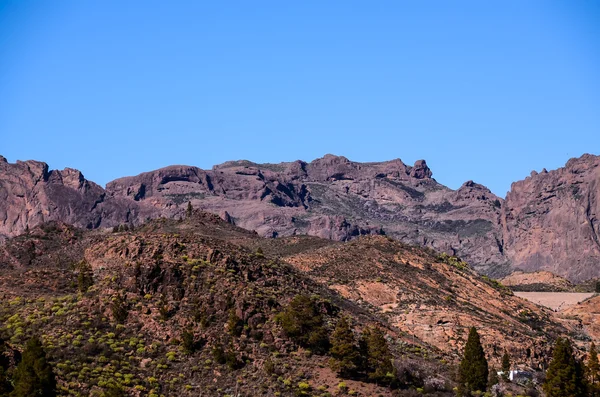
551	220
547	222
30	194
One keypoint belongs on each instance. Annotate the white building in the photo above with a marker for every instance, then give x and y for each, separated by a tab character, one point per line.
517	376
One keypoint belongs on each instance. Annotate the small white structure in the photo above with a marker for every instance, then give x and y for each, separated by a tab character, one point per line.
517	375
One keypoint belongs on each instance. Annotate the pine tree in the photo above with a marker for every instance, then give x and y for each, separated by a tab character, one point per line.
187	342
564	377
493	378
473	371
302	322
505	366
376	356
218	353
34	376
231	359
85	278
189	211
235	325
344	352
119	309
593	366
5	386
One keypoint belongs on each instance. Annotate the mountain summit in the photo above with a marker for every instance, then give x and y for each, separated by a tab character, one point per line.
547	221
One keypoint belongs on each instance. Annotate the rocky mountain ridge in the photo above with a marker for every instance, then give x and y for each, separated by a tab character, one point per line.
547	221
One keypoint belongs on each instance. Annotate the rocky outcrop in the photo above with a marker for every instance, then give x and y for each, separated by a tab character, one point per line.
332	197
31	194
549	221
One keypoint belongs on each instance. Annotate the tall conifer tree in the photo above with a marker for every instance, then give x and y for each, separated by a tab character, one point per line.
344	352
565	377
376	356
5	386
593	366
473	370
505	366
34	376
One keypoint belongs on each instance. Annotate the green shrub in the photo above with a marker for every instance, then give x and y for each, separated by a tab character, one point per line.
235	325
218	354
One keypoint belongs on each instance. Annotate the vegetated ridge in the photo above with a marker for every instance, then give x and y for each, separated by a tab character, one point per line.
199	306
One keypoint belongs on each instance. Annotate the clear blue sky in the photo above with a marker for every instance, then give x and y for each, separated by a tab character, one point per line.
483	90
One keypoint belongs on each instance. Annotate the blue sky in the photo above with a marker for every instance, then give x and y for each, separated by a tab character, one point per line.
483	90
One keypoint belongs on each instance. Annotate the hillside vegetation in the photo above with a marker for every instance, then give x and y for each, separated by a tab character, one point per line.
200	307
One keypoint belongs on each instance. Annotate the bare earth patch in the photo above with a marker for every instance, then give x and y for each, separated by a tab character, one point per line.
549	279
555	300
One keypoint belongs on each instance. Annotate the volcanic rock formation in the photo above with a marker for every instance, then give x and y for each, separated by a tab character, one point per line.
551	220
30	194
548	221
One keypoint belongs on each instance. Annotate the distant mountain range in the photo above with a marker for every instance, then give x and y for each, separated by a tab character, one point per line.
549	221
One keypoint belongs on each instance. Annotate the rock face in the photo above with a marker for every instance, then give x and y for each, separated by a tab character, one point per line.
551	220
30	194
548	221
332	197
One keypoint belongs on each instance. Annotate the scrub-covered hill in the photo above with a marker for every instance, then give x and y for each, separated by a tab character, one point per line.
201	307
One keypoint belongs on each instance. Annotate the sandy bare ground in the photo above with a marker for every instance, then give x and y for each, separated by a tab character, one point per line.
555	300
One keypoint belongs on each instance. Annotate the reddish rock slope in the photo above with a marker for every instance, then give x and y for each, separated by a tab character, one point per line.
551	220
30	194
548	221
332	197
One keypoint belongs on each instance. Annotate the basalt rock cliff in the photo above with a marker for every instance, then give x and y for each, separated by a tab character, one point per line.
551	220
548	221
31	194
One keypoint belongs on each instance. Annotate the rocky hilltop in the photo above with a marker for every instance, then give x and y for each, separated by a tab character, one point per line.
547	222
31	194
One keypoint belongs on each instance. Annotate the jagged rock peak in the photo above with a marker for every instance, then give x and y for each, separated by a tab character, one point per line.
235	163
474	185
585	162
551	220
420	170
332	158
224	215
31	194
37	169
